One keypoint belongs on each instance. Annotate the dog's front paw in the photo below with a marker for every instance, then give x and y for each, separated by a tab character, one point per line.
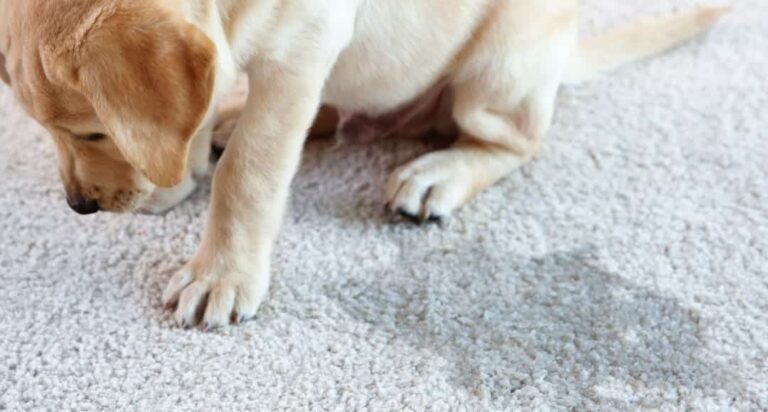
213	295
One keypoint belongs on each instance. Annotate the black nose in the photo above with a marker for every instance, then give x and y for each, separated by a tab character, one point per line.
83	205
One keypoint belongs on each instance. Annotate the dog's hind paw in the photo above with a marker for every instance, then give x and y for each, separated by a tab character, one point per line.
430	188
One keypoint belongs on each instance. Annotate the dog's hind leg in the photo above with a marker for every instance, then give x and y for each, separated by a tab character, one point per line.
505	93
505	90
493	143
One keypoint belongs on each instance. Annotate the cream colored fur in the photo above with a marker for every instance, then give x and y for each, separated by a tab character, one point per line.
504	61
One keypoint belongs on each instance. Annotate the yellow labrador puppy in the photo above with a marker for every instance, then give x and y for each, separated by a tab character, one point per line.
127	89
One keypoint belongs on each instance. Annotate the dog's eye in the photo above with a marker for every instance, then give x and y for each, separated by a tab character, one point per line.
95	137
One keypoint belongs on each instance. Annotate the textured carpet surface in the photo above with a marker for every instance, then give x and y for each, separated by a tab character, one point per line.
626	268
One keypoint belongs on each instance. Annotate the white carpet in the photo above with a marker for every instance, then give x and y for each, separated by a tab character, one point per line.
627	268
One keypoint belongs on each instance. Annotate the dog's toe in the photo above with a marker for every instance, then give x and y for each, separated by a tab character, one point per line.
221	300
172	291
192	302
428	189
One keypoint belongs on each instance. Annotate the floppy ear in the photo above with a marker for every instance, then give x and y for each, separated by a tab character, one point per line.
150	77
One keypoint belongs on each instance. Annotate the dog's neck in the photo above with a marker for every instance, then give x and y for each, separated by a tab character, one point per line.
234	25
216	18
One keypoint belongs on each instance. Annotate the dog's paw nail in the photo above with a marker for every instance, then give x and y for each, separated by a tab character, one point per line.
435	219
234	319
410	216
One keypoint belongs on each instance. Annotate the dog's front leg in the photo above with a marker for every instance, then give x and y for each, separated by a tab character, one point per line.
229	276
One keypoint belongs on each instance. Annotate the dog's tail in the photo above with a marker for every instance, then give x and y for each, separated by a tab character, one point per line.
637	41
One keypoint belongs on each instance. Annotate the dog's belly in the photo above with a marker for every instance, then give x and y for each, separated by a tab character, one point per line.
394	57
414	118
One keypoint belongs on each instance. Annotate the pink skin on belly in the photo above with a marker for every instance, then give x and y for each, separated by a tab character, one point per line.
417	116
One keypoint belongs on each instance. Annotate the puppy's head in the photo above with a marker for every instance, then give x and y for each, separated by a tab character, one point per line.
121	85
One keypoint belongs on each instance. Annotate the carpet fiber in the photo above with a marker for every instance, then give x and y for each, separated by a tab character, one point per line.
626	268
